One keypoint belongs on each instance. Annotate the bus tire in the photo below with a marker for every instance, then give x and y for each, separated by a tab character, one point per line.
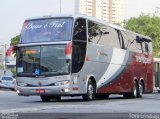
141	89
134	93
91	89
45	98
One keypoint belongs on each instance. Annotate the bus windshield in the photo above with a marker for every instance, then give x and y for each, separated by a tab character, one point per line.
46	30
42	60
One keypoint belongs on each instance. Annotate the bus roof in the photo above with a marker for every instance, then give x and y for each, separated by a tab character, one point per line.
92	19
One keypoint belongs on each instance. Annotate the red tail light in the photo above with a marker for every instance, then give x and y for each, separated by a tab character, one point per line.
68	50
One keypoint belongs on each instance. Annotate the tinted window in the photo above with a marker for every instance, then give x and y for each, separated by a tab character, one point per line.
132	44
102	34
80	30
28	58
42	60
79	45
93	32
46	30
54	59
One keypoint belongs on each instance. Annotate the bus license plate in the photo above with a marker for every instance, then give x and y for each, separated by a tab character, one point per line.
40	91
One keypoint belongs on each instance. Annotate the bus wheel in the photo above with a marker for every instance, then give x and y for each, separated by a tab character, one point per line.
134	93
45	98
91	89
141	89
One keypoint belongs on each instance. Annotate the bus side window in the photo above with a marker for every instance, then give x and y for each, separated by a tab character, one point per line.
99	34
80	30
93	32
146	47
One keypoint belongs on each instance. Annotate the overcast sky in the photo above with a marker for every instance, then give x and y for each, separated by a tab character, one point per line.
14	12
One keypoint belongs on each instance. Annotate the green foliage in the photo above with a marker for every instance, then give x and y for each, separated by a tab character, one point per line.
15	40
13	71
148	25
1	67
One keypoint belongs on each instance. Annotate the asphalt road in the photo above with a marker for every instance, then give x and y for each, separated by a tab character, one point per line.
114	107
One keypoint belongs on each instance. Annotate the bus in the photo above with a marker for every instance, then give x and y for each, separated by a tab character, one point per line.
77	55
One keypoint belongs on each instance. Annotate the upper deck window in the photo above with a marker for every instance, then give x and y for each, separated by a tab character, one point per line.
46	30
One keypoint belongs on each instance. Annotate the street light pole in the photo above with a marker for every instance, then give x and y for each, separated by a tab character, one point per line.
5	49
60	6
4	46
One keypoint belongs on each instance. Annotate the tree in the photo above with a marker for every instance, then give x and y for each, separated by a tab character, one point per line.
15	40
148	25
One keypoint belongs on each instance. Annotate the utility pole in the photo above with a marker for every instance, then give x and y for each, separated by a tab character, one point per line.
60	6
5	49
3	56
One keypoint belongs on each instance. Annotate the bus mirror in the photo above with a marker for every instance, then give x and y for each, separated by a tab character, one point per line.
141	39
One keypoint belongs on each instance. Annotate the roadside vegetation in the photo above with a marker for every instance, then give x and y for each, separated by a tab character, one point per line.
148	25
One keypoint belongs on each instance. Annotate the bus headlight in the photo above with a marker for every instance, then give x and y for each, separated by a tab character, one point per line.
61	83
22	84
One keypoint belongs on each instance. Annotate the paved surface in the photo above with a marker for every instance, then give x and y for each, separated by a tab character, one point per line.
10	102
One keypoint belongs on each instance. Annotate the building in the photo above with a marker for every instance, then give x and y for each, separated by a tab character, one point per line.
116	14
10	58
87	7
107	10
7	57
2	56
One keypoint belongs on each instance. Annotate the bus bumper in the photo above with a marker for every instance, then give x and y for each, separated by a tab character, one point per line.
49	90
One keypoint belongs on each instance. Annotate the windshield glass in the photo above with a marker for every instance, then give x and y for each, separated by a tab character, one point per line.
46	30
42	60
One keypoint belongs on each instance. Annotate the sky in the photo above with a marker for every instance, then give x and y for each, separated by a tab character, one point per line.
14	12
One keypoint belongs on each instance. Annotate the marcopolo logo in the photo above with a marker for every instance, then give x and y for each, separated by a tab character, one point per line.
143	60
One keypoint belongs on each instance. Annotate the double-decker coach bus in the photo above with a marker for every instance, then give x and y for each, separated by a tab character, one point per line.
76	55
